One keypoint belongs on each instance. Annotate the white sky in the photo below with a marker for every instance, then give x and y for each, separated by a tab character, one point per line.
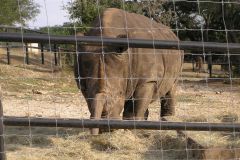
52	15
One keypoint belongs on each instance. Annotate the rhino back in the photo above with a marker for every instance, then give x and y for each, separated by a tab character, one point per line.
141	65
147	65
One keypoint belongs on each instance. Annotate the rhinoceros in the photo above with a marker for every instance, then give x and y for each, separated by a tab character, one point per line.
117	78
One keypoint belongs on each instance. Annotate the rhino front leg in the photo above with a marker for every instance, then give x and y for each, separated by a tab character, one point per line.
168	103
137	108
96	109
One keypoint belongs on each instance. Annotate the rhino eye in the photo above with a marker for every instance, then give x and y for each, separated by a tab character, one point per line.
121	49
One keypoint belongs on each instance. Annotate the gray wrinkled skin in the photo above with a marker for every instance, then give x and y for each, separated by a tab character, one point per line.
128	79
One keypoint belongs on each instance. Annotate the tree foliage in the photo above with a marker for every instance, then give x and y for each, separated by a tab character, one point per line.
195	20
212	19
66	29
191	19
85	11
208	21
17	11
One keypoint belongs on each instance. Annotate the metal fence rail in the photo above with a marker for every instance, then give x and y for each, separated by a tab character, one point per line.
116	124
120	124
41	49
133	43
19	29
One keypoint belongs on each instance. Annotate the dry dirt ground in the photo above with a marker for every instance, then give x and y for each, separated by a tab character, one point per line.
49	91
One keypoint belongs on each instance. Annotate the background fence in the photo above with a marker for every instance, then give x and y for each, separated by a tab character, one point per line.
30	47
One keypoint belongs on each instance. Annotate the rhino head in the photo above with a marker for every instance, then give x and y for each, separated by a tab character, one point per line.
99	73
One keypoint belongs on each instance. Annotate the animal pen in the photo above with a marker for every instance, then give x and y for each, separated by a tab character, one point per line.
226	124
30	47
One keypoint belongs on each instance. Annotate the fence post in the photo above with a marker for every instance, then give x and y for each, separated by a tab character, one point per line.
193	63
2	148
59	56
42	53
8	54
210	64
55	54
27	54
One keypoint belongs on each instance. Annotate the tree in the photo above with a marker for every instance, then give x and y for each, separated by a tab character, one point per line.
216	22
17	11
191	19
66	29
85	11
209	17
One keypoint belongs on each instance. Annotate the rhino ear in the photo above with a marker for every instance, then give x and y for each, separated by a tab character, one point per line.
121	49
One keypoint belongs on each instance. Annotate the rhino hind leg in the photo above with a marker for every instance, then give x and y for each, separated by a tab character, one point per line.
137	107
168	104
128	112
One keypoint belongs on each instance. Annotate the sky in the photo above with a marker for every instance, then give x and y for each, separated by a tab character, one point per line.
52	15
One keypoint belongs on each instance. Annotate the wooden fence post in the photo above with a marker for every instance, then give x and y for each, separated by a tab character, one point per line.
42	53
2	147
59	56
27	54
8	54
193	63
55	54
210	64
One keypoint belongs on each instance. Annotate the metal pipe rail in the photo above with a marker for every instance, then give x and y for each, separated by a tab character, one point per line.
120	124
30	47
21	28
133	43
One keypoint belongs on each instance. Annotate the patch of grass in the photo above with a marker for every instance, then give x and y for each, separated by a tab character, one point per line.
70	89
229	117
186	98
199	118
222	76
67	86
20	85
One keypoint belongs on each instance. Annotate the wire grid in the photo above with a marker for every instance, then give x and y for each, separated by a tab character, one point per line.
199	99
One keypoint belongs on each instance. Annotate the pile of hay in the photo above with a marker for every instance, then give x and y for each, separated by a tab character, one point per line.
117	145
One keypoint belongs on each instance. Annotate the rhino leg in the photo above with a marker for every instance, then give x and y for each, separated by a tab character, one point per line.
128	113
168	104
142	98
96	109
113	113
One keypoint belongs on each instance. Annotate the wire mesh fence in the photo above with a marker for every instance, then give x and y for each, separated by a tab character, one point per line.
128	67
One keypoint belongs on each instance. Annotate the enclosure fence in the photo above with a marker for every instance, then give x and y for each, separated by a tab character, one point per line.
204	30
118	124
133	43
